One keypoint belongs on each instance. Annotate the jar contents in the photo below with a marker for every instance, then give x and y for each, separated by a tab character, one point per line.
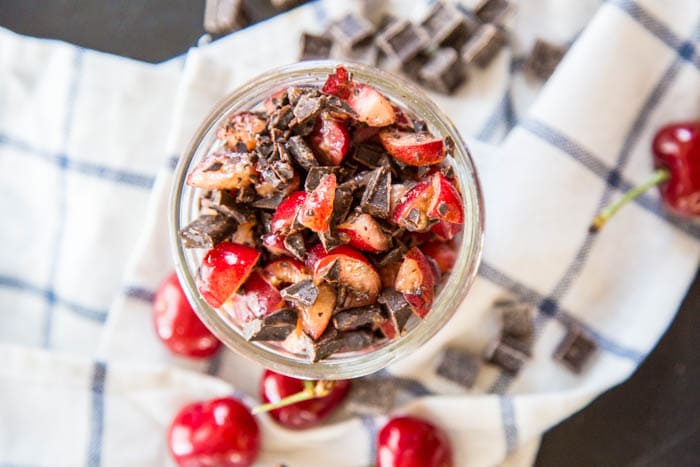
328	216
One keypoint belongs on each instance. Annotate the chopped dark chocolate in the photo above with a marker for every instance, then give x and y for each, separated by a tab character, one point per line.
273	327
281	117
301	152
302	293
393	256
314	47
270	203
402	41
360	180
308	107
459	366
494	11
484	45
543	59
372	396
522	343
397	308
376	200
294	243
224	16
206	231
501	354
517	320
444	72
313	178
576	349
353	318
329	239
341	205
370	155
351	30
224	203
447	26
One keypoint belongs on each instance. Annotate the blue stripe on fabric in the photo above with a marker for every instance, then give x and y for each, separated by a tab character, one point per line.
139	293
91	169
510	429
371	427
214	363
498	117
685	50
172	161
51	298
97	388
409	385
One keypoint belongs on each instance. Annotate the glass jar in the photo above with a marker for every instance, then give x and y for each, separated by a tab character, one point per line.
184	209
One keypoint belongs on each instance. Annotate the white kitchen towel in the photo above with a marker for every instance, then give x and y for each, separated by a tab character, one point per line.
91	150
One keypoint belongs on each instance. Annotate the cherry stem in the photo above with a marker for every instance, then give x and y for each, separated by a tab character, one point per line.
660	176
312	390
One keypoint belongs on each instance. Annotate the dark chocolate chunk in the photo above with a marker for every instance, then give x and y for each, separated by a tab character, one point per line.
447	26
281	117
354	318
484	45
325	346
376	200
308	106
223	202
444	72
301	152
372	396
294	243
402	41
302	293
351	30
576	349
313	178
459	366
270	203
494	11
370	155
206	231
224	16
522	343
314	47
329	239
397	308
341	205
393	256
501	354
543	59
273	327
360	180
517	320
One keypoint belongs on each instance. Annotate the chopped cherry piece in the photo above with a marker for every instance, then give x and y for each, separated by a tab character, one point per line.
274	243
370	105
411	211
270	103
177	325
306	414
364	233
314	254
284	215
258	299
220	432
223	171
284	271
418	149
317	209
224	268
403	123
445	231
416	281
447	202
241	129
351	269
315	318
338	83
412	442
330	140
443	253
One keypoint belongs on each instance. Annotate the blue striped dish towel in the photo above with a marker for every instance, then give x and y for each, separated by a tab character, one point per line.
87	144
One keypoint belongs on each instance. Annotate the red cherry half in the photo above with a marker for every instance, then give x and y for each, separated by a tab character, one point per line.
216	433
416	280
412	442
224	269
418	149
330	140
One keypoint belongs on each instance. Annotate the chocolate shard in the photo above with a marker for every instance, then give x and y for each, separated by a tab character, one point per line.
224	203
370	155
351	30
329	239
294	93
444	72
360	180
459	366
314	47
341	205
333	341
543	59
353	318
302	293
281	117
393	256
484	45
273	327
376	200
494	11
294	243
313	178
301	152
402	41
372	396
397	308
206	231
224	16
576	349
447	26
501	354
270	203
308	107
517	319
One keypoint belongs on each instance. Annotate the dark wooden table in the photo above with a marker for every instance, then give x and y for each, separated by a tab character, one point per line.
651	420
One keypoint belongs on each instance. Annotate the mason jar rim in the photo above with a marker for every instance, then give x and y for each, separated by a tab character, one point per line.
452	291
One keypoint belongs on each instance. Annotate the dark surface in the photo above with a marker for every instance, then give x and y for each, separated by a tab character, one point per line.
651	420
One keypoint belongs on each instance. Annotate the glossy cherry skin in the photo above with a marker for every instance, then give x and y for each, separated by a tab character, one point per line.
177	325
216	433
306	414
412	442
676	147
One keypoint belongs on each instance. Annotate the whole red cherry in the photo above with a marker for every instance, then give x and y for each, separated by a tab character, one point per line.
177	325
412	442
676	148
305	414
217	433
